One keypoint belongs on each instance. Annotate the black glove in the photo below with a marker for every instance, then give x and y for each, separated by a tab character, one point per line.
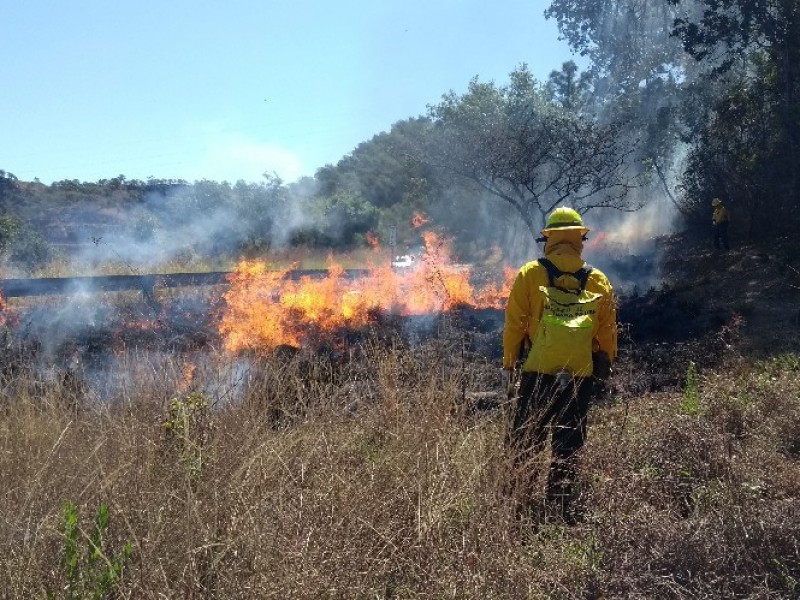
601	365
601	371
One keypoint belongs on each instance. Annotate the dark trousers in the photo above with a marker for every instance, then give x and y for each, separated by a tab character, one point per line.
721	235
545	409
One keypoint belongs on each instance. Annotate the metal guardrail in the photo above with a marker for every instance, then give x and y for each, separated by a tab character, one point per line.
70	286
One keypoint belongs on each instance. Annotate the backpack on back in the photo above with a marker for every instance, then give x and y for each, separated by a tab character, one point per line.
563	340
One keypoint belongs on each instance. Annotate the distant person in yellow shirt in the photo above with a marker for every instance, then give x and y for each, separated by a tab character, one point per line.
720	218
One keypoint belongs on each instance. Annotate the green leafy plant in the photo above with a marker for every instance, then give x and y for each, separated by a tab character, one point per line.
96	572
690	401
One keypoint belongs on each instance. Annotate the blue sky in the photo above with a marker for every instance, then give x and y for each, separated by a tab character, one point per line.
228	90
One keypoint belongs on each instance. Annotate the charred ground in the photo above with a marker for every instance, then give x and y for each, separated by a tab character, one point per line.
711	304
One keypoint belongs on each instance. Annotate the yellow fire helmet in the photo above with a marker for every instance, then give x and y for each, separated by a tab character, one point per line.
716	202
564	218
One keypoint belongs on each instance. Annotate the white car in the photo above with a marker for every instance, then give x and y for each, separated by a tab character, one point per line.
403	261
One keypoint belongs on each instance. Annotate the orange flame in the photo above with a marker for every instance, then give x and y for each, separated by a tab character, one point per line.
495	295
264	309
418	220
596	240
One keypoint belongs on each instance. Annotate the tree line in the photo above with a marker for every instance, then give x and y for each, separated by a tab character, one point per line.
683	100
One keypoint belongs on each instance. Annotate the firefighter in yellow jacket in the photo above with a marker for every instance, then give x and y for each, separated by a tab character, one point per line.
564	311
720	219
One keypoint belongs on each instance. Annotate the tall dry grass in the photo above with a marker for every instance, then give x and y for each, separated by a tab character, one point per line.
365	475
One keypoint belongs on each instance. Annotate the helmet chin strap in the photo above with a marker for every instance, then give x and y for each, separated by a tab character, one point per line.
543	239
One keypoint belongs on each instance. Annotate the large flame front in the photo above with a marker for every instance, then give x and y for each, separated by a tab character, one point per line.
265	310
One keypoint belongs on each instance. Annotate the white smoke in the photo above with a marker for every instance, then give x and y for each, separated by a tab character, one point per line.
234	158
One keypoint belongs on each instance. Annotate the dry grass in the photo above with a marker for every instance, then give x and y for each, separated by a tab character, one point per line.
363	475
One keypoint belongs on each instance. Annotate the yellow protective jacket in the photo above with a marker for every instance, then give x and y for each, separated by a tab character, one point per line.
720	215
526	304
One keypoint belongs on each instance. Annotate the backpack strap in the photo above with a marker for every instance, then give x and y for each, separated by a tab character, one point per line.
553	273
582	275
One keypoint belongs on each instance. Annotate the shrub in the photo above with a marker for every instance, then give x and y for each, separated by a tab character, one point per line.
21	245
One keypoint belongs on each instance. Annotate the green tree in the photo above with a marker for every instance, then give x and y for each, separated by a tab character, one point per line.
761	41
8	186
20	244
348	215
528	151
628	42
259	208
738	156
641	77
382	169
568	87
